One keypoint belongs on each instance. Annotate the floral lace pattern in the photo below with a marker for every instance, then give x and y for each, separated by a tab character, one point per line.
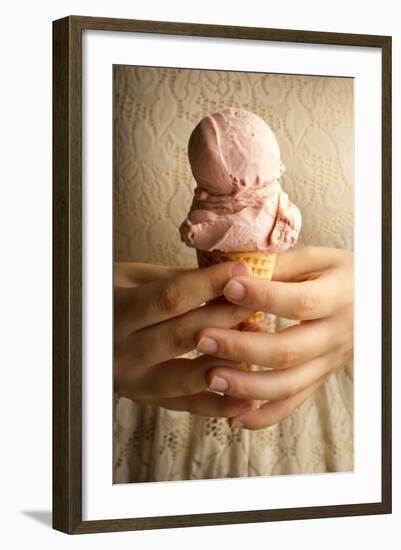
155	111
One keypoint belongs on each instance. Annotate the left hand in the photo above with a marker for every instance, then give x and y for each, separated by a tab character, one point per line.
313	285
158	311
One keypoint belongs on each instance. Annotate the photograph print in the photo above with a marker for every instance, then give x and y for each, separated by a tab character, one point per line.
233	274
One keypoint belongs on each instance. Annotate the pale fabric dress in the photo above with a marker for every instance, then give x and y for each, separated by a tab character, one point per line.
155	112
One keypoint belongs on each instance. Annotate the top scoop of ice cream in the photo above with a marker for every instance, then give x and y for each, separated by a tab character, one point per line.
238	203
233	148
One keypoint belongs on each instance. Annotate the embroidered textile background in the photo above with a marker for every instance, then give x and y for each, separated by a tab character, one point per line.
155	110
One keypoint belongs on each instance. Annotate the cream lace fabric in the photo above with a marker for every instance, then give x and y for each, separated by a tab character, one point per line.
155	111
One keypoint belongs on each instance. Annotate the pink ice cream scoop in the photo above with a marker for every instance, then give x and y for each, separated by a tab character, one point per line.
238	203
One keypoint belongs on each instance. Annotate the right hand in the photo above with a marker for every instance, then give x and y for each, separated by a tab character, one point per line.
158	311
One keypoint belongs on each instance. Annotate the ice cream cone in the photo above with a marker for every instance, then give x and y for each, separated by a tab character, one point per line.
238	203
262	266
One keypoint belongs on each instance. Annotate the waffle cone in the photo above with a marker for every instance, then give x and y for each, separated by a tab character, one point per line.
262	266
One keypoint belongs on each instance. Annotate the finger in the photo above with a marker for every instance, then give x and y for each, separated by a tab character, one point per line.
207	404
305	263
299	301
273	412
253	327
177	336
129	274
172	378
158	301
275	384
278	350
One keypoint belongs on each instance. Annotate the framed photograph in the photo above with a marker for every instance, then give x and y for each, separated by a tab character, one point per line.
221	274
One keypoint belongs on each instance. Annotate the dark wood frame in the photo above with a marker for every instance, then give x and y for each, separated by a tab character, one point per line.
67	227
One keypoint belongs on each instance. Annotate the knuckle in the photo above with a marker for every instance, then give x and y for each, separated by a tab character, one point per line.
214	280
245	385
181	339
287	357
267	296
232	348
168	298
305	306
185	386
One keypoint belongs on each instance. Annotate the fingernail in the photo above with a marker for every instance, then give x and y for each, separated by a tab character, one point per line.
218	384
237	424
207	345
234	290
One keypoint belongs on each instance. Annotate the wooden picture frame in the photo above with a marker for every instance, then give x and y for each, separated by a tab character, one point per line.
67	273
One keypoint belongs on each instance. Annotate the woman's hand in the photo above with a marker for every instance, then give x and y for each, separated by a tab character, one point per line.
313	285
157	313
